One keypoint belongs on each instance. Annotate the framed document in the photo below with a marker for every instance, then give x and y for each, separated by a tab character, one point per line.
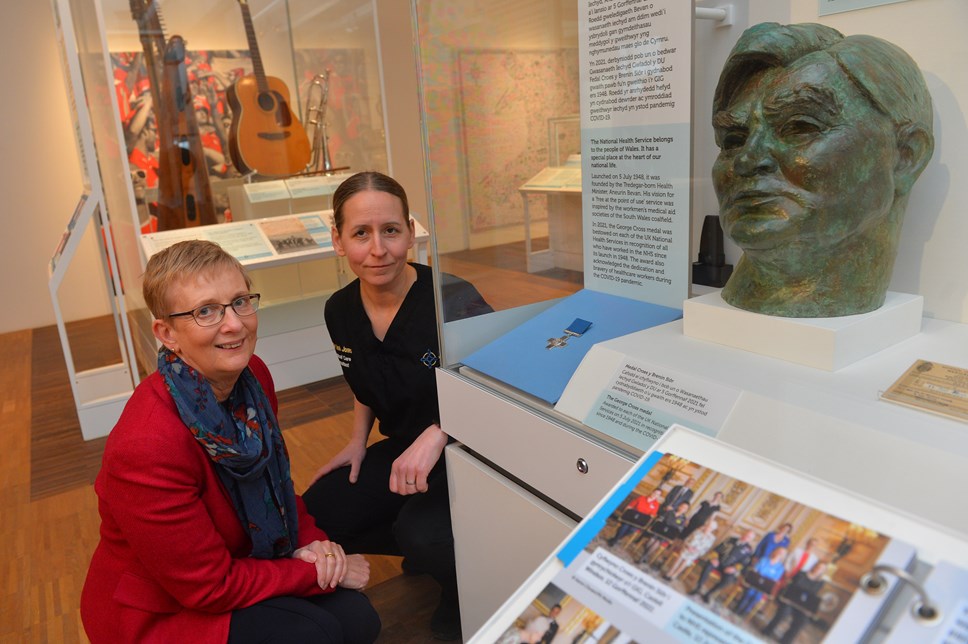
934	387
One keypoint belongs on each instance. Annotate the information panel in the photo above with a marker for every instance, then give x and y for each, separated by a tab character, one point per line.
643	400
636	67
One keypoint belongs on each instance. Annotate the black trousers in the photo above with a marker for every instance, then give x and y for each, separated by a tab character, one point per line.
366	517
797	620
341	617
725	579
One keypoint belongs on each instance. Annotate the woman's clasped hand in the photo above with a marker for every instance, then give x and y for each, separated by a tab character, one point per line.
334	567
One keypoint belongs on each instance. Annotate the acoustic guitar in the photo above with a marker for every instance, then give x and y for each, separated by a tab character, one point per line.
265	137
184	189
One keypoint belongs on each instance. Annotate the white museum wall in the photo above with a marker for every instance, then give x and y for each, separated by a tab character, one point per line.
40	177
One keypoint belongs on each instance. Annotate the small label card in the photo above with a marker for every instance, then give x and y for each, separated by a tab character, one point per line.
934	387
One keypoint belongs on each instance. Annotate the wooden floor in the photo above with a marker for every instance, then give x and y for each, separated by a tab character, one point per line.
48	510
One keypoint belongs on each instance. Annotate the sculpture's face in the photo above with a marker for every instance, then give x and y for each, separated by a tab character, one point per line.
805	160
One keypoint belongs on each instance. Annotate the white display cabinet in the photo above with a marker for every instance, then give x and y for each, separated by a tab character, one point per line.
329	60
100	392
523	462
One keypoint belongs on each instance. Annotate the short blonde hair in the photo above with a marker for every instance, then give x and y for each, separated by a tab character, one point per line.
179	261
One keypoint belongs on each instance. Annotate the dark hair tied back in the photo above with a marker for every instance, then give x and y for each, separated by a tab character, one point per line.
361	182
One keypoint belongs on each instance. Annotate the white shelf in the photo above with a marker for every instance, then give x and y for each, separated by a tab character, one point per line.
248	241
831	424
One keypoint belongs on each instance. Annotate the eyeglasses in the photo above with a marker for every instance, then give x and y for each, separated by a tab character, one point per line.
212	314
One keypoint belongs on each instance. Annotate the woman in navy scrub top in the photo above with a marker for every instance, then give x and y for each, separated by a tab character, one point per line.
391	497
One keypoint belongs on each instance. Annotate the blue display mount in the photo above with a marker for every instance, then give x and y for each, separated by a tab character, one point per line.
540	356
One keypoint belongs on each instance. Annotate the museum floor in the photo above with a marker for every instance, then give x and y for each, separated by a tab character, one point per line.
48	510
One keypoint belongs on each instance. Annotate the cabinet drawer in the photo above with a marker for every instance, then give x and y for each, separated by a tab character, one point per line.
492	563
536	450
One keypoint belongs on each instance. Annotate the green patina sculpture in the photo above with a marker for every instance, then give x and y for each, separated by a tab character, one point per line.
821	138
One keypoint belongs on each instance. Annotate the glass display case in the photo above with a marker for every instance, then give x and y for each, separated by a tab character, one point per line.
493	76
235	121
579	231
319	66
497	90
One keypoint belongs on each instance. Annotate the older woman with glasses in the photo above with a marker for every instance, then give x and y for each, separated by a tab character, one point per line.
203	538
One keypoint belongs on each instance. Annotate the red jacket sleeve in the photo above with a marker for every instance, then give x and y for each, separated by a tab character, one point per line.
172	513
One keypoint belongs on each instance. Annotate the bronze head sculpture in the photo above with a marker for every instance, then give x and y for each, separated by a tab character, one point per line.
821	138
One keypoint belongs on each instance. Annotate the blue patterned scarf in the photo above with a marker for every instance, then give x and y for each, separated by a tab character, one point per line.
243	439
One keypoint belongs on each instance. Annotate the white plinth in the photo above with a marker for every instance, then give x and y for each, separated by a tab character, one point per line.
824	343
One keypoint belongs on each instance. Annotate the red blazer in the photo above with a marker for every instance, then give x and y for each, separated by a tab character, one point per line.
173	560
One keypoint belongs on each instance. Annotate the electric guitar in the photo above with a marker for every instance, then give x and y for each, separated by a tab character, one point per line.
184	189
265	137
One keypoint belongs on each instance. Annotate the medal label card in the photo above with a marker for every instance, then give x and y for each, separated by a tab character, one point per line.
643	400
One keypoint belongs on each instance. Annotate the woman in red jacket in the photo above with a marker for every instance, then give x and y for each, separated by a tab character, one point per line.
203	538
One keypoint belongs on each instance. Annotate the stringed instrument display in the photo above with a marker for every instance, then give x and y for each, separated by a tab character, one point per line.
186	157
184	189
152	34
265	137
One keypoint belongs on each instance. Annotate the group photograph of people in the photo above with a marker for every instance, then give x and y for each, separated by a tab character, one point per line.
555	617
776	568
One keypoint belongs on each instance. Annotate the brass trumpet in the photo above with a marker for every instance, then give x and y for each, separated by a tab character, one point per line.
317	98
